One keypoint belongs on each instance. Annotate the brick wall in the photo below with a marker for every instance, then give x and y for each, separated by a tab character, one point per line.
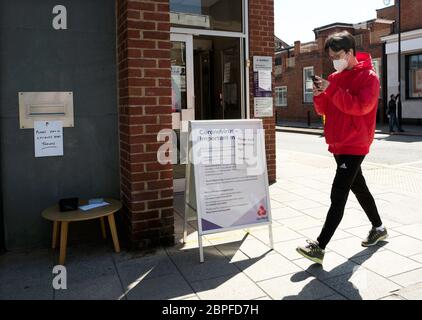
261	43
388	13
410	14
296	109
144	109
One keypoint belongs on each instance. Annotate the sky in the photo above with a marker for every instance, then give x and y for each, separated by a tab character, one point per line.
296	19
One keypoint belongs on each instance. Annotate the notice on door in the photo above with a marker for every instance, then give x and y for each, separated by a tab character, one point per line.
48	138
230	173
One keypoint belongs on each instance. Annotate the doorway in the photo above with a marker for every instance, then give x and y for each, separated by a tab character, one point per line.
218	82
207	84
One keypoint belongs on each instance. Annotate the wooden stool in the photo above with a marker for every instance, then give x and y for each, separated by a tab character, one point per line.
62	219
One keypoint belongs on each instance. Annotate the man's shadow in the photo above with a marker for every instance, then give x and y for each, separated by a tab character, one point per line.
344	271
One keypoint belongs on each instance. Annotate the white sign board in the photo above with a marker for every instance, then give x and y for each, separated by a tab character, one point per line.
263	107
262	63
48	138
263	95
230	175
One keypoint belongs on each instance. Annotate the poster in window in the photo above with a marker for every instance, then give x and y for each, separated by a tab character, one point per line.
178	85
227	69
418	82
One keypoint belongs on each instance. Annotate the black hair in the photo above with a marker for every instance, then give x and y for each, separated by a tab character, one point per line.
341	41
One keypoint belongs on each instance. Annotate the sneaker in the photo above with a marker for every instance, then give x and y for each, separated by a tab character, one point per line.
374	237
312	251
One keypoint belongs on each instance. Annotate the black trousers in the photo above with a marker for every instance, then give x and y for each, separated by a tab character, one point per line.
348	177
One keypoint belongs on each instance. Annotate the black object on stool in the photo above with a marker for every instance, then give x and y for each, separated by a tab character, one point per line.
69	204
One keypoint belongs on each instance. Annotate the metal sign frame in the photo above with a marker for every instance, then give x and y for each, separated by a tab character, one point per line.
192	184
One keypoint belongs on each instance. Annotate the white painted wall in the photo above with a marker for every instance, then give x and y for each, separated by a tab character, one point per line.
411	109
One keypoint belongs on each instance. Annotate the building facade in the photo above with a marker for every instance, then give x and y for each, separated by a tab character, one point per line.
293	92
410	59
134	68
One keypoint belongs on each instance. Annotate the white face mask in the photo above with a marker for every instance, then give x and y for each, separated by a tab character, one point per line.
341	64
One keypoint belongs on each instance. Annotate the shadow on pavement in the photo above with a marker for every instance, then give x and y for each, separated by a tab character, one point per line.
400	138
347	269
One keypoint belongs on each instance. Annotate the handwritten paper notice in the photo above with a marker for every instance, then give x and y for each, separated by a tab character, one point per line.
48	138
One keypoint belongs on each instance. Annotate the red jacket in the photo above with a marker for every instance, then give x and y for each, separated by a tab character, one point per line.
350	108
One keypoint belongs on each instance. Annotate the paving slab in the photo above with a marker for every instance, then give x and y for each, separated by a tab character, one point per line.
352	248
280	233
362	285
404	245
172	286
270	266
302	204
146	268
413	292
215	265
301	286
28	289
107	287
414	231
362	232
313	233
408	278
237	287
288	248
285	213
334	265
301	223
387	263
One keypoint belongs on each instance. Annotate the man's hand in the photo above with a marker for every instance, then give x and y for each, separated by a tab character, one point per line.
320	86
316	91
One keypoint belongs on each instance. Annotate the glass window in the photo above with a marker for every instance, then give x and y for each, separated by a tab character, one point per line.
414	76
281	96
178	76
377	64
308	94
223	15
377	67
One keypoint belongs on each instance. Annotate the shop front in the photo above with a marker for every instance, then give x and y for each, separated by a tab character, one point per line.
134	68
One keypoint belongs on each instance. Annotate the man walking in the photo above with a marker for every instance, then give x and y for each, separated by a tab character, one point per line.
349	101
392	114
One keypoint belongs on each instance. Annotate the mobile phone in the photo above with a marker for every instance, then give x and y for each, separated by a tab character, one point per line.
314	79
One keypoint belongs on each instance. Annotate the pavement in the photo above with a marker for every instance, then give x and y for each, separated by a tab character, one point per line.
317	128
240	265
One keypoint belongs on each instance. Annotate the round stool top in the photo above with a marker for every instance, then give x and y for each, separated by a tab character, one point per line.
53	213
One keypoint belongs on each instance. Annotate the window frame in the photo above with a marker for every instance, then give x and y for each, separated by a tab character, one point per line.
276	91
378	71
408	75
243	4
305	92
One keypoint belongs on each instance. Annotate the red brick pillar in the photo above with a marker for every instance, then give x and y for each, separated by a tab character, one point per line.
145	109
261	43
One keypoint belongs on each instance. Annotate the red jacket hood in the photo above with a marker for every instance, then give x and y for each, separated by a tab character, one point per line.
364	61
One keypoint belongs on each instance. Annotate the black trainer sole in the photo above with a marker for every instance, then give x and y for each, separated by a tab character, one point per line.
375	243
313	259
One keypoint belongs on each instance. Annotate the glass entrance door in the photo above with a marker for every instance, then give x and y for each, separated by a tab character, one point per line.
183	100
